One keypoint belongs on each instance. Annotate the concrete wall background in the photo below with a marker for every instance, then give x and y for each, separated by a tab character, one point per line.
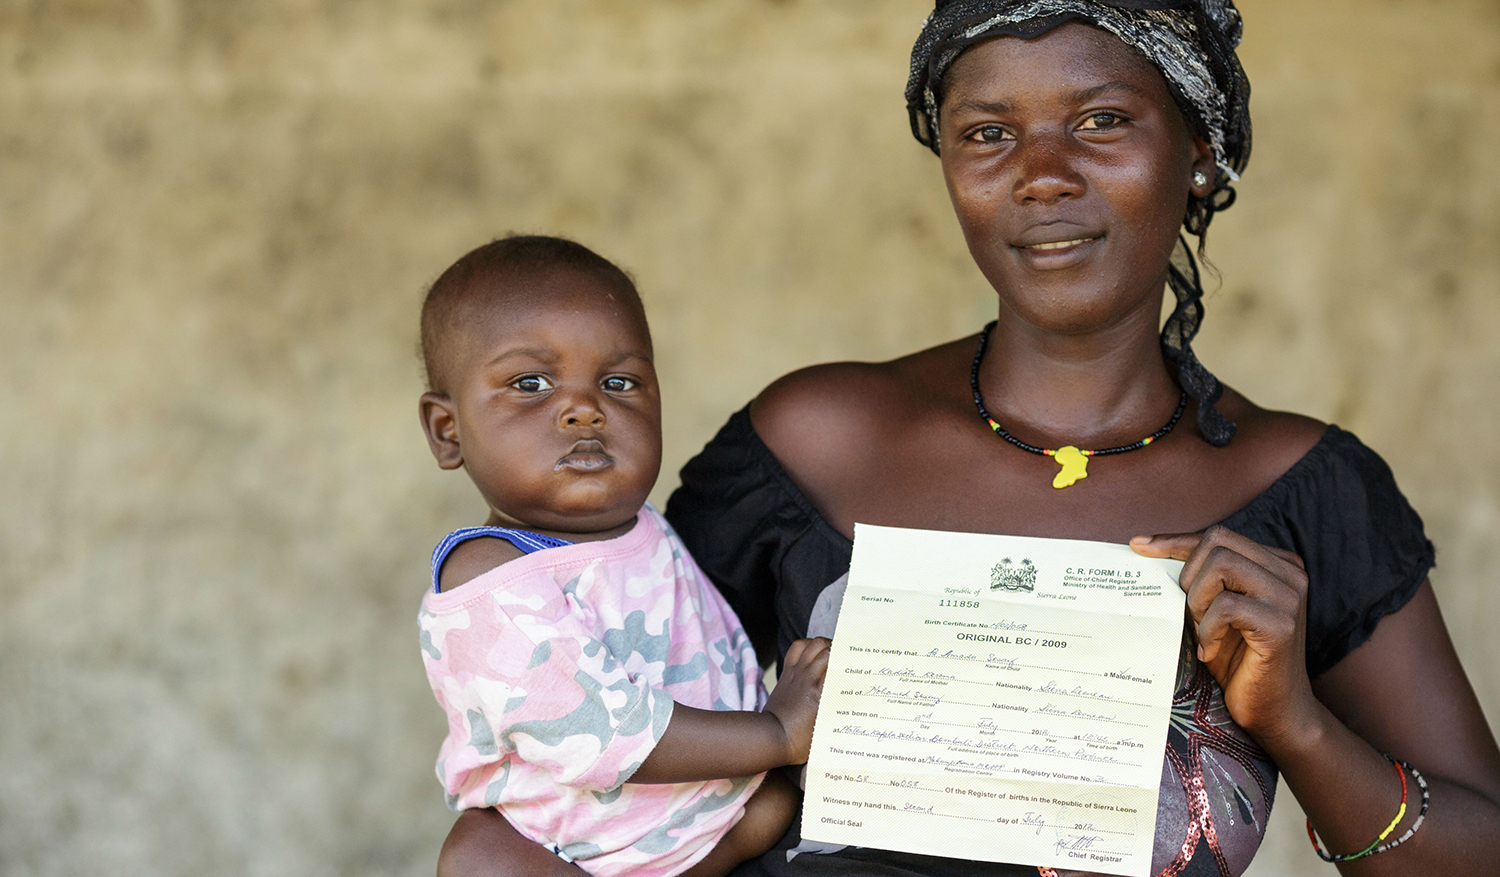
216	219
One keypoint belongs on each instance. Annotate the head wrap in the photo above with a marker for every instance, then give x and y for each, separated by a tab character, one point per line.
1192	43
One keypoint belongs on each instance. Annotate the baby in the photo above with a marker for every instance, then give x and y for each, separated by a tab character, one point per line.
600	693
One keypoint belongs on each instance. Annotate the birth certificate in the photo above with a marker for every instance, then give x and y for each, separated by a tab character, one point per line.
997	698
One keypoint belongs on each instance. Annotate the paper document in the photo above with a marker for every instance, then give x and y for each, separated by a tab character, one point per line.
997	698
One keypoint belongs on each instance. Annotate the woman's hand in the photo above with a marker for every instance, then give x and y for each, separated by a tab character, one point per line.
799	687
1249	608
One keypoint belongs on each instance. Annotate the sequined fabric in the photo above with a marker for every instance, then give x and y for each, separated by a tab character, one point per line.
1217	785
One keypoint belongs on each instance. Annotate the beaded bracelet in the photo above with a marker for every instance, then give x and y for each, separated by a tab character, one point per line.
1421	814
1372	848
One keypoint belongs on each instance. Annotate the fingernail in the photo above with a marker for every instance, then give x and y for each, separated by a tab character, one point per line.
1140	540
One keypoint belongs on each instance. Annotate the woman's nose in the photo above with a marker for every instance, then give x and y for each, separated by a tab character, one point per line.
1045	172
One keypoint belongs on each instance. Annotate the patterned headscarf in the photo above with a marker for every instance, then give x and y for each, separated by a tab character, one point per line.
1192	43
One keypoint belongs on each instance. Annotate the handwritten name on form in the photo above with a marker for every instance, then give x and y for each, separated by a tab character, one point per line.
997	698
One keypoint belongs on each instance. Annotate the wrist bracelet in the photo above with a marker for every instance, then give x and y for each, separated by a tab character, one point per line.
1421	814
1375	846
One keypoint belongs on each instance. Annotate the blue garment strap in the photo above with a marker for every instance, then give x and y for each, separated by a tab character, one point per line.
525	540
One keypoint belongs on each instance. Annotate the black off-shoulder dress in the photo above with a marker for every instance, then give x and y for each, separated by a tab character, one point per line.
772	555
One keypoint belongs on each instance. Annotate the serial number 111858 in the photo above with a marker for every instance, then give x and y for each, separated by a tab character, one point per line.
960	604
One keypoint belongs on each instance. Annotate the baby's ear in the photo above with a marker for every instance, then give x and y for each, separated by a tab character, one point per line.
440	423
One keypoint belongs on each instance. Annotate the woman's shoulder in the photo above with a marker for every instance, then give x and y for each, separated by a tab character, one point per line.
835	401
1267	443
830	420
1318	478
833	417
1336	503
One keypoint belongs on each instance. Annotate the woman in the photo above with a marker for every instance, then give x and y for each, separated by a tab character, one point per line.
1077	138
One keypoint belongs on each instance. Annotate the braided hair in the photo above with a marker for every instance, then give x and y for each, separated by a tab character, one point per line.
1192	43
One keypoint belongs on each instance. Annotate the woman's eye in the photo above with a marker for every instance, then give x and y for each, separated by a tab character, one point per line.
989	134
617	384
1101	122
532	384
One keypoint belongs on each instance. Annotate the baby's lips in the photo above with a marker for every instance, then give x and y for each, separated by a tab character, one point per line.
588	455
587	446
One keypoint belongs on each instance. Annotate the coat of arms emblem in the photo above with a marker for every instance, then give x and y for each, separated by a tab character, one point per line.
1013	577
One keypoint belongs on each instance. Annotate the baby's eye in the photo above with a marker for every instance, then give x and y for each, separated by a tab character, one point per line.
1102	122
988	134
532	384
618	384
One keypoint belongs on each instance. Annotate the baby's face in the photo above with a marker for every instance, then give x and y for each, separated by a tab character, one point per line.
558	409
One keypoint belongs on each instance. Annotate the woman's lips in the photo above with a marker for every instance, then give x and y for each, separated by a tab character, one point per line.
1060	245
1050	255
586	456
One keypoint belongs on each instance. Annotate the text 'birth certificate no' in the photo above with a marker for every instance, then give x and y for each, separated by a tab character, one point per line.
997	698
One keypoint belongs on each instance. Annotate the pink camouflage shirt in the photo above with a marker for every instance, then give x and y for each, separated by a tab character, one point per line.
558	672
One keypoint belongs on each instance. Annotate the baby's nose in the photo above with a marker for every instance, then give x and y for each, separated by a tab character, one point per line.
583	412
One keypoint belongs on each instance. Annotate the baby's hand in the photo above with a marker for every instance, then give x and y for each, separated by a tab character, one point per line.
794	700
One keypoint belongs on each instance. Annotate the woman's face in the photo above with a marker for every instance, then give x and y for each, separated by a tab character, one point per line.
1069	165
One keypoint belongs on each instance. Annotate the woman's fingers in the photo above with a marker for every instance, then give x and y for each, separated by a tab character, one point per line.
1290	557
1198	550
1236	617
1181	546
1173	546
1248	603
1274	561
1224	570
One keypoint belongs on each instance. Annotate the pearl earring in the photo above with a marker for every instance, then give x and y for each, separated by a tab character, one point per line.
1199	179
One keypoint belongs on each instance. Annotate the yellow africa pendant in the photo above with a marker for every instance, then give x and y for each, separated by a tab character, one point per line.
1075	466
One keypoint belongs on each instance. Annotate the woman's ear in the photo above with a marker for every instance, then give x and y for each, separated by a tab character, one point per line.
1204	168
440	423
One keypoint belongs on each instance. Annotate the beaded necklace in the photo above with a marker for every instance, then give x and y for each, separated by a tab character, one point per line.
1074	461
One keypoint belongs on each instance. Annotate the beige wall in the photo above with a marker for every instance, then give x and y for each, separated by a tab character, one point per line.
216	218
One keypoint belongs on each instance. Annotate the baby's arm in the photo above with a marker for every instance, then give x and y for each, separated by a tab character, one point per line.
698	745
473	558
708	744
483	844
703	745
